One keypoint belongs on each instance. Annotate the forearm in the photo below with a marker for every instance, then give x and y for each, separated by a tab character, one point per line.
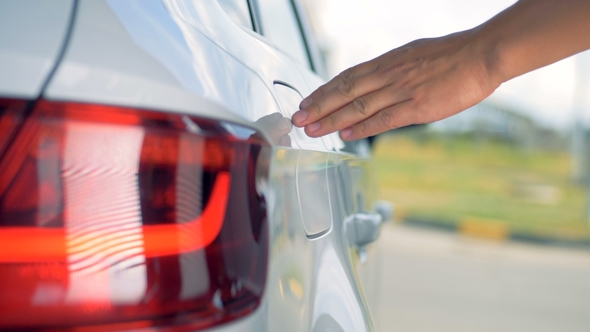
532	34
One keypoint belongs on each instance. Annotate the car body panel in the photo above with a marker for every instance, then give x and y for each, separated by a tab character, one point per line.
108	61
25	66
352	189
184	56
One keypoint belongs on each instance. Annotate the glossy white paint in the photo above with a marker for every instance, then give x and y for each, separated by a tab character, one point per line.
144	61
190	57
32	34
312	184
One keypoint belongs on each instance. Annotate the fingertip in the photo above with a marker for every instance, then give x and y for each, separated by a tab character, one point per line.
310	133
313	127
346	133
299	117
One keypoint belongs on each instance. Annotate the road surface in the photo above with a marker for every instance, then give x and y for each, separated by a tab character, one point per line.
437	281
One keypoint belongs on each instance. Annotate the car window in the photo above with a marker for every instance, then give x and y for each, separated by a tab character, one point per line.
281	26
238	11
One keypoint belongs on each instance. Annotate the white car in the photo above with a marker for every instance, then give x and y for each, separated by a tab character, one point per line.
150	178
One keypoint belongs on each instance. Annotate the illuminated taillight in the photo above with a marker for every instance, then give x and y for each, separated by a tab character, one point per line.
116	218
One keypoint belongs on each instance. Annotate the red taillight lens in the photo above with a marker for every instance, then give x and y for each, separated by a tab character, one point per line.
11	112
127	217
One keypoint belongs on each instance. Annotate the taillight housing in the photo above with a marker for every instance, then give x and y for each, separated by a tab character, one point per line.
11	114
117	218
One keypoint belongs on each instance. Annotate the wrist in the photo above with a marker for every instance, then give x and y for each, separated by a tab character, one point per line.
492	55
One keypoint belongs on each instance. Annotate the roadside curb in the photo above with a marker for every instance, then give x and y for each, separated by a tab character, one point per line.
493	230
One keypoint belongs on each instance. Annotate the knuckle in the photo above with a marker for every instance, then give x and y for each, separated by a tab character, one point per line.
332	121
319	92
315	109
363	128
377	67
359	105
346	86
346	74
387	119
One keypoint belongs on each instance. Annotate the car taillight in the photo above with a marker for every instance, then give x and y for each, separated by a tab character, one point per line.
116	218
11	113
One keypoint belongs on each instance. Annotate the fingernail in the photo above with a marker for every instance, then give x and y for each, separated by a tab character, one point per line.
299	116
305	102
345	133
313	127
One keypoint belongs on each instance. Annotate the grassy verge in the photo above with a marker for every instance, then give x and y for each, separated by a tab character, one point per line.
449	180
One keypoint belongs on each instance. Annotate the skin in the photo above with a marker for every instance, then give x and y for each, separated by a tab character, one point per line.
431	79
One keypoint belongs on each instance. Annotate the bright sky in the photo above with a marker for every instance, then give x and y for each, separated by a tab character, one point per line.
358	30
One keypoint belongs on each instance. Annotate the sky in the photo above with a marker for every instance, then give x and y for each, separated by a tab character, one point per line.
355	31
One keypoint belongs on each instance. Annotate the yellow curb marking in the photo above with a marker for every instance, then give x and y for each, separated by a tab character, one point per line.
484	228
399	214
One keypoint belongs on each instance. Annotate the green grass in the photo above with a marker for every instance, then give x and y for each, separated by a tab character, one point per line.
450	179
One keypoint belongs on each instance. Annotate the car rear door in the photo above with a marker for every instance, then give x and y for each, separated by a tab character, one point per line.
297	235
345	272
353	193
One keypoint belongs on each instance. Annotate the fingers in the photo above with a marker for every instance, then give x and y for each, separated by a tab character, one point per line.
399	115
424	81
349	74
337	93
358	110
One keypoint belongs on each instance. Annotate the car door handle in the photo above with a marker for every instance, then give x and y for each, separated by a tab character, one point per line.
363	228
385	209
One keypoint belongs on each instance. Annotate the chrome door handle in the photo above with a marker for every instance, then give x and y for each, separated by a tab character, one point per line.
363	228
385	209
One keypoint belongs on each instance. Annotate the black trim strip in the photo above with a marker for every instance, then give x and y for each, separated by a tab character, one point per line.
303	36
255	16
31	103
320	234
64	47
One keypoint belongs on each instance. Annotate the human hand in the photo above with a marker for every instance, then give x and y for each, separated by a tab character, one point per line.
421	82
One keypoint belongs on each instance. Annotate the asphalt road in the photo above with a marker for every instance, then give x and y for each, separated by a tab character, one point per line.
436	281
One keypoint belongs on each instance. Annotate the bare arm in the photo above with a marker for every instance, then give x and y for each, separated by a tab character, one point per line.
431	79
